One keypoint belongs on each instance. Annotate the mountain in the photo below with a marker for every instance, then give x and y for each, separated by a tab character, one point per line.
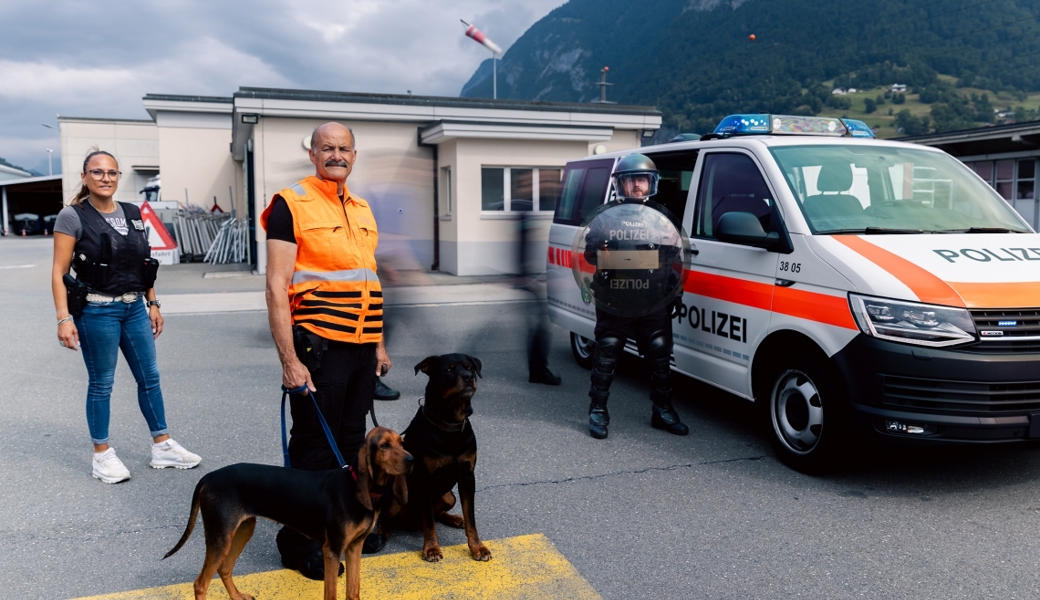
696	60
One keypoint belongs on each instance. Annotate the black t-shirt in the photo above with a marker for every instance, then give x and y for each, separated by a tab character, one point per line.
280	222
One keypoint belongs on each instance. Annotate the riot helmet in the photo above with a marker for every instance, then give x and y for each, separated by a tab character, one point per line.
635	178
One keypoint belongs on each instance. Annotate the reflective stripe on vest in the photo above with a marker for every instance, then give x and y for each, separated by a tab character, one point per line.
334	291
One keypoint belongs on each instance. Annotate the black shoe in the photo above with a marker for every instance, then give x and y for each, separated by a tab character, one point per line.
374	542
667	419
544	376
599	419
310	565
384	392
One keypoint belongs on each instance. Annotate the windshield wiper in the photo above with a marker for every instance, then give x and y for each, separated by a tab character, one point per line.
872	231
983	230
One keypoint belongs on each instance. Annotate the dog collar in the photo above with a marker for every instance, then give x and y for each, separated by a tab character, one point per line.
353	473
443	425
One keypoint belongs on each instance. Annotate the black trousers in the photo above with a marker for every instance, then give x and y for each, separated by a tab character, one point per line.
345	382
652	334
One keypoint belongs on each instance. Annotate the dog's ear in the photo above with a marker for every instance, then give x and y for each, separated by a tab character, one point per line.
476	365
401	489
364	477
425	365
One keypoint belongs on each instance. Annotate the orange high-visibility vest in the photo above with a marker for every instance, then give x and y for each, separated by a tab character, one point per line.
335	292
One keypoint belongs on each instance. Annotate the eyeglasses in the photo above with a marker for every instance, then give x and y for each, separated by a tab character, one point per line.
99	174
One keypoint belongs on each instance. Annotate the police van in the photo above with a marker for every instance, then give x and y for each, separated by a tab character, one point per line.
846	284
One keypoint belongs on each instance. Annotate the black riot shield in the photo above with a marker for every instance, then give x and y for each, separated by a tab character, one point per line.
631	257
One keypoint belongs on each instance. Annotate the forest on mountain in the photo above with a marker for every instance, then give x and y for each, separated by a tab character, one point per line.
965	62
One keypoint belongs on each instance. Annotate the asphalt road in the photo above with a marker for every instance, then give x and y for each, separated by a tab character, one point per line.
640	515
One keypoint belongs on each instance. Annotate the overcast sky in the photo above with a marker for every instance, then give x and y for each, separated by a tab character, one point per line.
97	59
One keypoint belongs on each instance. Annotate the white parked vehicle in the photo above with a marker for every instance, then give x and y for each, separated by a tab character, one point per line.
846	284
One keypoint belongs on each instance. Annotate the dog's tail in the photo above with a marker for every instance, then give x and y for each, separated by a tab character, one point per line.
191	521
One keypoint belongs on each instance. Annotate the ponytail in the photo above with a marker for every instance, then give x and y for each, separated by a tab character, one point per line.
83	192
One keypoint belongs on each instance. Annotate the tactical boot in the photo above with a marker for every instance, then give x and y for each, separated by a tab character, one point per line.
599	419
664	417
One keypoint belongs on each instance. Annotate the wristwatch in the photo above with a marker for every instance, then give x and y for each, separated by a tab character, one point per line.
154	303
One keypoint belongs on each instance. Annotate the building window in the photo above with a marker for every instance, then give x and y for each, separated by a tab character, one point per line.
446	178
519	189
1005	177
1026	177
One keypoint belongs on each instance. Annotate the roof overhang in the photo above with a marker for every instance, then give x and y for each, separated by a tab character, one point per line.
443	131
442	118
999	139
154	103
26	180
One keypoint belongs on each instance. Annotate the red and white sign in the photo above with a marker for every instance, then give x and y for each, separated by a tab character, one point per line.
164	249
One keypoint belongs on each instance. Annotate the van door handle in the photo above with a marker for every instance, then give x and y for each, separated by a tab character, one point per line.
693	250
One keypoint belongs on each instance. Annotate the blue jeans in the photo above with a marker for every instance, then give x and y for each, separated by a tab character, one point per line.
104	328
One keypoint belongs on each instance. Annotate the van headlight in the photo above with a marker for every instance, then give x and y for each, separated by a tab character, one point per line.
912	322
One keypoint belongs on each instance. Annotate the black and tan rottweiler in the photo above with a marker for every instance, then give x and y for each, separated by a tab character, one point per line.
441	439
337	507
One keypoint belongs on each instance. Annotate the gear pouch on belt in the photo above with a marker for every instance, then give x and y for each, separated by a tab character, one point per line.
75	294
309	347
149	273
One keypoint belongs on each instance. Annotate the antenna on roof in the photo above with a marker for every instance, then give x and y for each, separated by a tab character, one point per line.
603	87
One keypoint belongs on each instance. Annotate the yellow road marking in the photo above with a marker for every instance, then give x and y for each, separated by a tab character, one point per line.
524	567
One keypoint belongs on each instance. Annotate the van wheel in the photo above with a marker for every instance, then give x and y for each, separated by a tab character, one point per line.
805	418
583	349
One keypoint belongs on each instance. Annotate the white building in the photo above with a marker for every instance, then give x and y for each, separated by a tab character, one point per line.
447	178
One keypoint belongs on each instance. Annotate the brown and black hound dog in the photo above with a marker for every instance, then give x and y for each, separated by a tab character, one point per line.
441	439
337	507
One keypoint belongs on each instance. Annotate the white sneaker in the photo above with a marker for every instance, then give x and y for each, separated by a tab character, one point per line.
171	454
108	468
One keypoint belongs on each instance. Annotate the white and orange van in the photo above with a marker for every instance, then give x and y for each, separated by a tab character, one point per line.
846	284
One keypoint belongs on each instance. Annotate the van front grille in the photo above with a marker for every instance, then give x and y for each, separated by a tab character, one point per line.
1018	329
961	396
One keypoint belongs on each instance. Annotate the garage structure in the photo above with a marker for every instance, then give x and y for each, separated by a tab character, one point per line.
447	178
1006	156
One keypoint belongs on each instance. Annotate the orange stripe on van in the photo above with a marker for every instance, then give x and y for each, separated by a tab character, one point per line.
999	295
927	287
822	308
730	289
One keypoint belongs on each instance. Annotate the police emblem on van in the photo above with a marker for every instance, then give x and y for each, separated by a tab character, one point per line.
991	333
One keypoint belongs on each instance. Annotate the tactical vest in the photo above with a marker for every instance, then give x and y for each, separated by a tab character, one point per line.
335	292
105	260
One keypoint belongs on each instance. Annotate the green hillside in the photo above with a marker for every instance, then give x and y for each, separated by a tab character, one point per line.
695	60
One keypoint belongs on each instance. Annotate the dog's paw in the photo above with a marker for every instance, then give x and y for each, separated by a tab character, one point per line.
481	553
432	554
451	520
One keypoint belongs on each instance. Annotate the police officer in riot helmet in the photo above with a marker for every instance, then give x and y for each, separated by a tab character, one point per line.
635	182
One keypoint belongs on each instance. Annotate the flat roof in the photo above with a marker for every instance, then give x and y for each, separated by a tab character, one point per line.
179	98
440	101
978	141
104	120
24	180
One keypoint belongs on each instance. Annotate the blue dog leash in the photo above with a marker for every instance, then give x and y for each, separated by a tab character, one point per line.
324	426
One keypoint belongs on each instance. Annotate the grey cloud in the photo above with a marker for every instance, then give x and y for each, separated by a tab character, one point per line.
97	59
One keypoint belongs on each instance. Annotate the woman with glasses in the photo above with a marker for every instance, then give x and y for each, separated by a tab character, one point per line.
106	242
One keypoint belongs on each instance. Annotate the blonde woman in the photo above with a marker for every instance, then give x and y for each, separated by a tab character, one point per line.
107	244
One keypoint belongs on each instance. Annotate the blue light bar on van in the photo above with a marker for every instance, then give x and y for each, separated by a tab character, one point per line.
752	124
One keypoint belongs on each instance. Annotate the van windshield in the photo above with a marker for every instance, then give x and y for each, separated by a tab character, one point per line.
874	189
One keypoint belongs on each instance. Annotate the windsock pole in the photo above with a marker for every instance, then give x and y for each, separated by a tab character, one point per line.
478	35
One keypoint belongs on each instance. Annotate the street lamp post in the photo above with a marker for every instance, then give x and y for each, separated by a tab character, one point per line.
50	168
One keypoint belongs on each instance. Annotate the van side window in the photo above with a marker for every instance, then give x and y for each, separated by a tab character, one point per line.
584	188
730	183
673	188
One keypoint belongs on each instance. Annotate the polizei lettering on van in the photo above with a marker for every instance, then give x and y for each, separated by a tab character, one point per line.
988	254
719	323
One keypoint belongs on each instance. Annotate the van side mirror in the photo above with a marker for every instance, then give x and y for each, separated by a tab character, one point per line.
745	228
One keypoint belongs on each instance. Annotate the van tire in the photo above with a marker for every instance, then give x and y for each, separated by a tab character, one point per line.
583	350
805	416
